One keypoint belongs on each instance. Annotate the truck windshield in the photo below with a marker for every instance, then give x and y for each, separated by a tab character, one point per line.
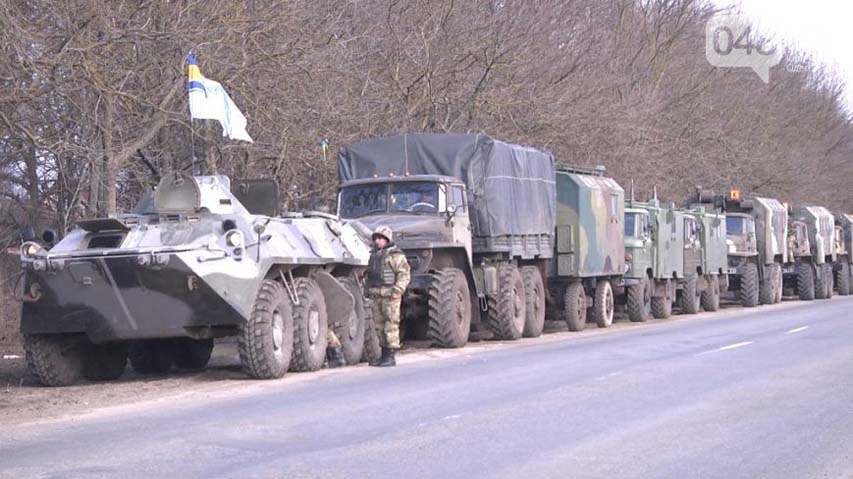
735	225
358	201
415	197
631	224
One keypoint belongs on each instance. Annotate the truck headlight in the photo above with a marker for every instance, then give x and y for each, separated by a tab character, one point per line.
234	238
30	249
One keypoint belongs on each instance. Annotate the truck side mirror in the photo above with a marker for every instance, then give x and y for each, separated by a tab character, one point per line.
451	210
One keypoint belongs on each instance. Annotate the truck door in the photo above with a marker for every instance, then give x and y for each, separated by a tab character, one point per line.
460	221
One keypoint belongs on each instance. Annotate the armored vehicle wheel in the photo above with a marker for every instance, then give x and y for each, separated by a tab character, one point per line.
449	308
805	282
639	301
574	307
105	362
534	301
507	309
266	337
310	326
780	282
189	353
372	350
350	330
662	305
603	305
711	293
821	286
691	295
151	356
767	288
748	293
842	279
55	359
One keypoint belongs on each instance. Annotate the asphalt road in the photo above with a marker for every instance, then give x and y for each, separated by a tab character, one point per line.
751	394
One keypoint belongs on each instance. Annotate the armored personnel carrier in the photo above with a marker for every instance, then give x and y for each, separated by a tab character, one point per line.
199	258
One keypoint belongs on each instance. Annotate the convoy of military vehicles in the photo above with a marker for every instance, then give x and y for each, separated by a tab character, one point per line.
498	237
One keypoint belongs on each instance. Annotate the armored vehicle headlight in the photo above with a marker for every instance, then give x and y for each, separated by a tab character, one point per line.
30	249
234	238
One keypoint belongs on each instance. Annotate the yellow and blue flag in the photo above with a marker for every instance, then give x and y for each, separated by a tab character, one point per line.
209	101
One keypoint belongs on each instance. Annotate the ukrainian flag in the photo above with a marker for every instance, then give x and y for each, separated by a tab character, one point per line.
209	101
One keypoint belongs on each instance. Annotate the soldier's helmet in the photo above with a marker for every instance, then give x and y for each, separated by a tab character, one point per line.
384	231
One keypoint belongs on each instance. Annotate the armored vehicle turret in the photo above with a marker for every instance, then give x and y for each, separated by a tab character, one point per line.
199	258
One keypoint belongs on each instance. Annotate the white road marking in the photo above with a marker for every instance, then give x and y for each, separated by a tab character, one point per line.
735	345
797	330
602	378
452	416
11	356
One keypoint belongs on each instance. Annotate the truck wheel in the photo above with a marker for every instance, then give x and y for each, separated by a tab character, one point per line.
767	288
830	280
265	339
639	301
534	302
711	293
842	279
507	309
188	353
310	326
574	307
603	305
691	295
150	356
350	330
820	286
662	306
449	308
748	293
780	282
372	350
105	362
805	282
55	359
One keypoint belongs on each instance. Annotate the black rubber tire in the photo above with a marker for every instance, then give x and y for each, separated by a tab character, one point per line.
805	282
820	284
188	353
767	286
350	330
639	301
691	296
310	326
604	305
830	280
507	312
711	293
150	356
748	292
105	362
449	303
780	283
662	306
534	301
842	279
55	359
372	349
265	340
574	307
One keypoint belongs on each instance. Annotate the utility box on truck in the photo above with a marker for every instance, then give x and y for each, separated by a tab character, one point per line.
475	217
589	258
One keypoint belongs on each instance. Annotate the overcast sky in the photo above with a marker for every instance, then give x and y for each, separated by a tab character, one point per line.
822	27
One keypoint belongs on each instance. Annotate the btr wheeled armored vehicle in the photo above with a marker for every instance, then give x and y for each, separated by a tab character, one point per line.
199	258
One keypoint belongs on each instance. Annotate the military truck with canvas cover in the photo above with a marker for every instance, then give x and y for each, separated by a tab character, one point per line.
475	217
589	257
756	230
199	258
843	253
811	272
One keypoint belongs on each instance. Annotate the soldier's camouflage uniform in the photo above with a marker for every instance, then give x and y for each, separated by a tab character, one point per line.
387	278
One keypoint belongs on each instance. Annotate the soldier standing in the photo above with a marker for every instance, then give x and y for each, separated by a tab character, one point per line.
388	276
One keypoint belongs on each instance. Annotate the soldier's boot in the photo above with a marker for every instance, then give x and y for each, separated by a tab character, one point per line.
386	361
335	358
378	361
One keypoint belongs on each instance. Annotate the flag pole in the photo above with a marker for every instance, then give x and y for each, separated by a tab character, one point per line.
192	128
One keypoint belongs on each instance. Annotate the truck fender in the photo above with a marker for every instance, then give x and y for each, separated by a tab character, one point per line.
339	301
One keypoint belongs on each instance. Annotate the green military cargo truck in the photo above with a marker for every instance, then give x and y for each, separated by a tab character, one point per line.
843	266
811	274
714	269
589	252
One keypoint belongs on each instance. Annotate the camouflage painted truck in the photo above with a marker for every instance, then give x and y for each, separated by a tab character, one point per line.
811	272
843	266
199	258
475	217
756	231
589	257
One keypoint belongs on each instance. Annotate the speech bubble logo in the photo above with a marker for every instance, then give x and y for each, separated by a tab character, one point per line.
730	42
